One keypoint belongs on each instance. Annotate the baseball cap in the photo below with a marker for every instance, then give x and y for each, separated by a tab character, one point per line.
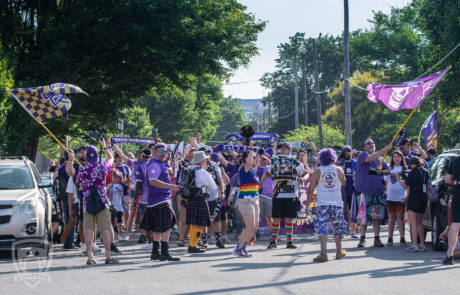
91	154
286	144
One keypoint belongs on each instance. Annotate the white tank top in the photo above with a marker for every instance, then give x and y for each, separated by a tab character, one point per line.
329	191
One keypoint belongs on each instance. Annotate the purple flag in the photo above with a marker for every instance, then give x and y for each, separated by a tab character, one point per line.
407	95
430	132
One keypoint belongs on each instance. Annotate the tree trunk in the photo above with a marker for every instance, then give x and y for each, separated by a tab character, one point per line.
30	150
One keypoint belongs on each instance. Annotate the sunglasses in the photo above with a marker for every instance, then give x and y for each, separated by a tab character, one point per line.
162	151
369	142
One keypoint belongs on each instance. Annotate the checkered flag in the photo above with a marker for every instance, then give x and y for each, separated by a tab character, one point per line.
46	102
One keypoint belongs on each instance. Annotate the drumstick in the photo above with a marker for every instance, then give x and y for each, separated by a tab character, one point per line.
67	229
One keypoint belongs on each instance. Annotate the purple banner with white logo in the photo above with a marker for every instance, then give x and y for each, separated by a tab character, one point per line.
240	148
430	133
256	136
407	95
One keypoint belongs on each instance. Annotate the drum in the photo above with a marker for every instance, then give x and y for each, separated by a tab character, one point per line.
283	168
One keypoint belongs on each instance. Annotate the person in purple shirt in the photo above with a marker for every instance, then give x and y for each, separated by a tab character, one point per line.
93	174
266	190
369	182
159	216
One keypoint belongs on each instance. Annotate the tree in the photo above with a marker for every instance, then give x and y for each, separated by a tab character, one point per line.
117	50
136	124
231	119
6	81
332	136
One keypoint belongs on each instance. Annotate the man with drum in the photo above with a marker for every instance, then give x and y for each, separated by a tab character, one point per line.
285	193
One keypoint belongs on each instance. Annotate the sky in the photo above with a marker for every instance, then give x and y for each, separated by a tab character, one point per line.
287	17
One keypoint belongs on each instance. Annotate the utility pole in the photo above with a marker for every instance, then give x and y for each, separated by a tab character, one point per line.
318	98
346	73
269	110
296	93
304	84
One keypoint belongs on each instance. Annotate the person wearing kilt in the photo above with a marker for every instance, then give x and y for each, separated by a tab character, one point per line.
159	216
198	215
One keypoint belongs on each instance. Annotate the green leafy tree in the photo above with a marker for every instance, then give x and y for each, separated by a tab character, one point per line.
136	124
6	81
332	136
231	120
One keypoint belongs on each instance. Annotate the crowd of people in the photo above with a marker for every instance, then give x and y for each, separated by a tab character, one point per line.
201	193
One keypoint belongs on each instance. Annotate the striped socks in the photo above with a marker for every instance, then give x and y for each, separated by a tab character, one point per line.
289	230
275	231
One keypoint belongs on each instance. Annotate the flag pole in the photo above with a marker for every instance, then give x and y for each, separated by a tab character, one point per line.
43	125
57	140
396	135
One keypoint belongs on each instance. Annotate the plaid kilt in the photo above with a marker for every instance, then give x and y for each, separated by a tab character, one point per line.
158	219
198	212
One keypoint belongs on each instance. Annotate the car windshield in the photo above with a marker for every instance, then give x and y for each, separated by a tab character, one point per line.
15	177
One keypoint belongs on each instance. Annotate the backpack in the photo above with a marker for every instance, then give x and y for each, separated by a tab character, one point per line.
61	187
189	188
94	203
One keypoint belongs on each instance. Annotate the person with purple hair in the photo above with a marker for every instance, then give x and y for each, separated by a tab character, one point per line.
327	180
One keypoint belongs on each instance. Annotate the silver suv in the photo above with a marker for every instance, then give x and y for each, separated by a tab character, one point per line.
25	207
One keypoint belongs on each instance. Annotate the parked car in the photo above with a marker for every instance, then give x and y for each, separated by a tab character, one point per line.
25	207
435	218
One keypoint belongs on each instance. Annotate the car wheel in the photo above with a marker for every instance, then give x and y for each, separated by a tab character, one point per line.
436	232
46	245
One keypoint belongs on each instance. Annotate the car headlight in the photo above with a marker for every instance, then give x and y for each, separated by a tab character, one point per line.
27	206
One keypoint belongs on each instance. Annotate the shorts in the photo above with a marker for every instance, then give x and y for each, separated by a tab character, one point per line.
417	203
394	207
142	209
455	205
214	210
102	219
131	194
333	215
159	218
375	207
266	205
284	207
181	205
247	207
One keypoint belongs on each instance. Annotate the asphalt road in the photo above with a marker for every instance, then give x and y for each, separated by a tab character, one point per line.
369	270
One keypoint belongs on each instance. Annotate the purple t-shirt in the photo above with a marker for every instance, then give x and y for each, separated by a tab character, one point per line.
61	172
158	170
235	181
267	188
369	184
141	176
93	174
132	165
231	170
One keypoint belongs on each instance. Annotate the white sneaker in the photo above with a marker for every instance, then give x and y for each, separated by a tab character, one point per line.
96	248
226	240
126	238
147	246
83	249
211	241
120	238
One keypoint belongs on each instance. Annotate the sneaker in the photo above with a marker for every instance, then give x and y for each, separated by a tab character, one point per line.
412	249
120	238
111	261
290	245
246	252
378	243
147	246
239	253
180	243
211	241
252	241
402	242
362	242
390	241
449	260
195	250
220	244
354	236
226	240
114	249
142	239
126	238
96	248
83	249
272	244
422	248
71	248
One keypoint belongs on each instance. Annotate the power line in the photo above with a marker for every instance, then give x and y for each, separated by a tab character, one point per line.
438	62
242	82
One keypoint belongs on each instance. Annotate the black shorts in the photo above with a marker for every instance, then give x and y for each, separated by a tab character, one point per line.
214	210
284	207
159	219
417	203
455	207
